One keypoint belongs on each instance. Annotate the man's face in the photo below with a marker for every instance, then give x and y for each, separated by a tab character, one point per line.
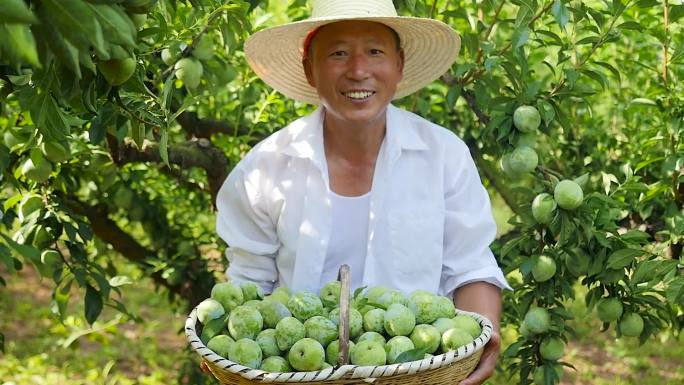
355	66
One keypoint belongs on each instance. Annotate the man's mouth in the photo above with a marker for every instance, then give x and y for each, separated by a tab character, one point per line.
358	95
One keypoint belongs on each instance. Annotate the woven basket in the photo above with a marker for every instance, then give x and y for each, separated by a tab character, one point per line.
444	369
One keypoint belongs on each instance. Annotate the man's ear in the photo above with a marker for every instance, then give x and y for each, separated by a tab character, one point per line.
308	70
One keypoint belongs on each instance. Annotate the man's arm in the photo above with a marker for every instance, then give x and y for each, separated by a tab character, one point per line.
482	298
242	222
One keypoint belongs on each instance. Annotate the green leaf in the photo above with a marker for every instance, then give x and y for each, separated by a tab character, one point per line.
630	24
676	12
610	68
166	96
116	25
588	40
98	127
29	252
7	259
11	202
520	36
137	132
4	162
524	15
492	62
93	304
411	5
546	111
48	117
650	270
453	94
510	246
76	22
102	283
556	39
20	80
120	280
64	51
675	290
16	11
512	350
643	102
358	291
617	7
647	3
623	257
571	76
164	147
560	13
18	45
87	61
567	228
635	235
582	180
411	355
471	42
83	332
597	76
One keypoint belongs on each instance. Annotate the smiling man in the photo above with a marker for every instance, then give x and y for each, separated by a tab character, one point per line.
359	181
355	66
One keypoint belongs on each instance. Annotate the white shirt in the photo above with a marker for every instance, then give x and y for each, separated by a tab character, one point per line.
429	223
348	238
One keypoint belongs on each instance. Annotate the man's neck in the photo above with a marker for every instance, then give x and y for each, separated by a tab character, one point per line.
358	144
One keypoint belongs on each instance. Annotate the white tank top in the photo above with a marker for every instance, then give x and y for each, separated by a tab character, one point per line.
348	238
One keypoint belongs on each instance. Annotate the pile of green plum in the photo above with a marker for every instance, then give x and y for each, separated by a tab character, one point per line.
286	332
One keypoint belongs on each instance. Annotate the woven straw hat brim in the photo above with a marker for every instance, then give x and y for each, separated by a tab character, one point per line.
275	54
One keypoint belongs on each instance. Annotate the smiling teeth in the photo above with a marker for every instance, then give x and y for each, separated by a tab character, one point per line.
359	94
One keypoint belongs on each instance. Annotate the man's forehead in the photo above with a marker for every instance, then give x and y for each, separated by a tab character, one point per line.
371	29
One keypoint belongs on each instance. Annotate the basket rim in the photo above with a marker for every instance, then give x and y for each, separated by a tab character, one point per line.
344	371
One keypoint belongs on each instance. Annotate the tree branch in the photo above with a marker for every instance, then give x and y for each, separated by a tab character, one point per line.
488	32
483	165
205	128
476	72
197	153
194	289
108	231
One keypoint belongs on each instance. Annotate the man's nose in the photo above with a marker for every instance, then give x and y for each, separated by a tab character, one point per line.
358	67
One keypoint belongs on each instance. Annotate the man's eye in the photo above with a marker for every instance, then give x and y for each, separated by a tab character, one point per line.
375	51
338	53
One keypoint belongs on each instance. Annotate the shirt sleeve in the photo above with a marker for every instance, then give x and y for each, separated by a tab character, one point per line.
243	223
469	228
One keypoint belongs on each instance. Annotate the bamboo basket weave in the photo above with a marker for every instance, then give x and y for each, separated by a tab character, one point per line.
444	369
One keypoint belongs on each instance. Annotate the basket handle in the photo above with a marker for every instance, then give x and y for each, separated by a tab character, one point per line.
343	276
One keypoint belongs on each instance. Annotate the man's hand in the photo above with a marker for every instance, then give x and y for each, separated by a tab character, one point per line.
485	299
485	368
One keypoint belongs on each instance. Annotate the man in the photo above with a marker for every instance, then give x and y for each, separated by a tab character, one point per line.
360	181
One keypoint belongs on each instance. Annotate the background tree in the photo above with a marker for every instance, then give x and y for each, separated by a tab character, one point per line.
121	118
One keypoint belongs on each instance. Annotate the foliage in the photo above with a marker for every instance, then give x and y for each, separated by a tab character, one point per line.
95	162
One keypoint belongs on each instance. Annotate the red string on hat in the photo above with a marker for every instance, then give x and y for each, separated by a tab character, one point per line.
308	40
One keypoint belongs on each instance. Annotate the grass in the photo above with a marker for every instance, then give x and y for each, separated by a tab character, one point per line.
41	350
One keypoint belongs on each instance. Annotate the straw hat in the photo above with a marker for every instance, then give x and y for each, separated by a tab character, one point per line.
275	54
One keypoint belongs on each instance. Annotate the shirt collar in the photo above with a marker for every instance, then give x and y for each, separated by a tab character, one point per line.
307	134
402	131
